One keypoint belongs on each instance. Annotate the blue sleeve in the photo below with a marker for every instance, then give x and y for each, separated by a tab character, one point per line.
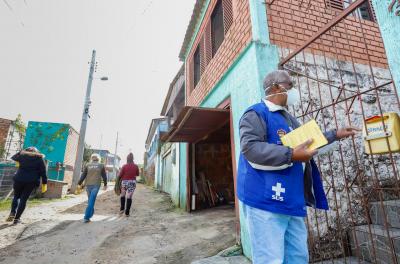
253	145
331	136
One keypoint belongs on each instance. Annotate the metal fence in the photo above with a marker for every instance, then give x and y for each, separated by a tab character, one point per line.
341	88
7	171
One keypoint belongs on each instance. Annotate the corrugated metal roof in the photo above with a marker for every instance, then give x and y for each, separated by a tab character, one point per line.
196	123
198	7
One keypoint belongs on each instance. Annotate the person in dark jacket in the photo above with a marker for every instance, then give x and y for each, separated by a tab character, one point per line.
31	169
276	183
92	175
127	176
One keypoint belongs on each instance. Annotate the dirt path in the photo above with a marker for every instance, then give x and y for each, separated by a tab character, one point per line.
155	233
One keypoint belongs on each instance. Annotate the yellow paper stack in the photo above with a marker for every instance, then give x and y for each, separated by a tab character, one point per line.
309	130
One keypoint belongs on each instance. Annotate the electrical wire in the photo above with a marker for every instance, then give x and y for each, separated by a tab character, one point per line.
12	11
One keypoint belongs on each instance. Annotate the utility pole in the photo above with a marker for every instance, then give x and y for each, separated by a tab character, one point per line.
82	132
115	156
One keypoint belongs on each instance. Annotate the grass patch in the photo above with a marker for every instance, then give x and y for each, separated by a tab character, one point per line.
5	205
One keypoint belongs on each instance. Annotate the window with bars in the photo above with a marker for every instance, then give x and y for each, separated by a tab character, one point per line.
215	32
217	28
365	11
196	66
335	4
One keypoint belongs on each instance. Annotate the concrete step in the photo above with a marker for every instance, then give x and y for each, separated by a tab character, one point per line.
381	243
392	209
347	260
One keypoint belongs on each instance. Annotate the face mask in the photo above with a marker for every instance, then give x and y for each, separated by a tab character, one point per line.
293	96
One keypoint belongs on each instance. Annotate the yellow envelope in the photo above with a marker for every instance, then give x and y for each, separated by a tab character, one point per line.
309	130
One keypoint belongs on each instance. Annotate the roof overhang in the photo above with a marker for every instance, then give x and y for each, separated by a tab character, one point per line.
195	124
152	129
174	89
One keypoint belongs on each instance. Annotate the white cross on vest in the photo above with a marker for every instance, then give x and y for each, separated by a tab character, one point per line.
278	190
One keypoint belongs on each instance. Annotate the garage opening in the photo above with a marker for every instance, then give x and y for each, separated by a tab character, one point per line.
210	174
212	170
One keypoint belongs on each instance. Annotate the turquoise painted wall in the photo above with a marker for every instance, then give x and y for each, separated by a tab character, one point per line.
389	25
51	140
182	175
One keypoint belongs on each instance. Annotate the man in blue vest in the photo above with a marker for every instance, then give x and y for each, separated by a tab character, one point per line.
276	183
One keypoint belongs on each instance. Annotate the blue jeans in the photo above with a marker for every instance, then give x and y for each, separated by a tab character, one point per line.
92	191
276	238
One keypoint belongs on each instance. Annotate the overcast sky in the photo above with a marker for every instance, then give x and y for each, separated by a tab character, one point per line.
45	49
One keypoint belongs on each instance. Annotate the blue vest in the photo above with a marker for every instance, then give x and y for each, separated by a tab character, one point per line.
280	191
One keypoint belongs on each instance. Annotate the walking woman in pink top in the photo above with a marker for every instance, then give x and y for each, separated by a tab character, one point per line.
128	175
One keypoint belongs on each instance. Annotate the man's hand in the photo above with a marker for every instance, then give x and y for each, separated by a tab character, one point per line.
346	132
303	153
105	188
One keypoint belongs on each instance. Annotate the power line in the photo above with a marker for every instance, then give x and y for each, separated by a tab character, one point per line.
12	11
142	14
8	5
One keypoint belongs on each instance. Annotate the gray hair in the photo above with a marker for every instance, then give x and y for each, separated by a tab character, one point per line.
274	78
95	157
32	149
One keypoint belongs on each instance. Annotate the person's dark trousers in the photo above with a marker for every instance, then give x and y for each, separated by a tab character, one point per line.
128	206
122	208
22	191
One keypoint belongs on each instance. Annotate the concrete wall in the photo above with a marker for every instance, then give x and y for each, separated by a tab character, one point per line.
390	30
183	175
170	171
175	194
336	169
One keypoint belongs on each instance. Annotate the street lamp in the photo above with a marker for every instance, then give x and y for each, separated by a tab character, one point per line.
82	132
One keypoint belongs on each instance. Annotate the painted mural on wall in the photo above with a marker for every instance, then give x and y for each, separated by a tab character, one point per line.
51	140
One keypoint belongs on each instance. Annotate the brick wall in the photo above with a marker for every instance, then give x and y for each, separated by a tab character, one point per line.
236	39
4	129
291	25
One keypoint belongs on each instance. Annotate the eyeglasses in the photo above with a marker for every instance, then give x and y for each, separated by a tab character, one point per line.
288	87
